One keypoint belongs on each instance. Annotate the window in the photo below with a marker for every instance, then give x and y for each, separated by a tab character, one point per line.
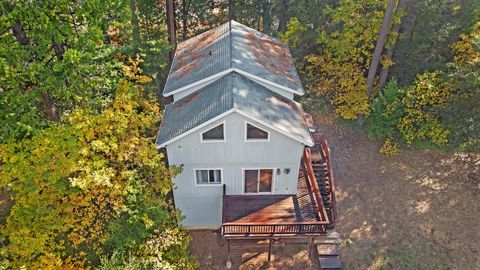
256	134
258	181
215	134
208	176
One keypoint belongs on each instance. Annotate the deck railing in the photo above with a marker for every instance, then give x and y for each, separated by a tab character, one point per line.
327	154
255	229
312	182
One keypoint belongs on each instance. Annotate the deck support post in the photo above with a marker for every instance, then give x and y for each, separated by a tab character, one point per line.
310	248
269	249
228	249
228	263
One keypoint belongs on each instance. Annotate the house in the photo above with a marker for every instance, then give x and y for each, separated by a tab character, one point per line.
251	164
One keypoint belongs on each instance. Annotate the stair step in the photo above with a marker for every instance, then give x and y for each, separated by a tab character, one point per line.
324	240
330	262
328	250
332	234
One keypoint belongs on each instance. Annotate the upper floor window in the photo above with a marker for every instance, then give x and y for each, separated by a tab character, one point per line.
208	176
216	134
256	134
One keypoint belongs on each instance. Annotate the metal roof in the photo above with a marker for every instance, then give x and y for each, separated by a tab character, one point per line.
232	46
233	92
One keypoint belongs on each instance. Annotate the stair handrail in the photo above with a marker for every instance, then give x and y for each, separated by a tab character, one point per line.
327	153
307	160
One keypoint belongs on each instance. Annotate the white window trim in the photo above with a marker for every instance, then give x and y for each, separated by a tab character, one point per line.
215	141
256	140
207	185
274	173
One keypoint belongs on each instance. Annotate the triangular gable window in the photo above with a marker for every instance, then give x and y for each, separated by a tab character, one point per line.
216	134
256	134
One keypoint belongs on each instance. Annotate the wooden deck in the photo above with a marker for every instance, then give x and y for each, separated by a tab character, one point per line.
273	216
266	209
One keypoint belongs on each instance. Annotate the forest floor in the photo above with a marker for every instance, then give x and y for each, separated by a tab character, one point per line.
418	210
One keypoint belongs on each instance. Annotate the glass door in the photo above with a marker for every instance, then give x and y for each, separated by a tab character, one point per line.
258	181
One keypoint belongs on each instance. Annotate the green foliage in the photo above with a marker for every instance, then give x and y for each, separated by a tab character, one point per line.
425	40
345	52
162	250
420	122
78	186
19	115
386	111
57	47
294	33
462	113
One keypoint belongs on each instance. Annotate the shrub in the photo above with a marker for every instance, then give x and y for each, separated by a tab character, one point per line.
389	148
386	112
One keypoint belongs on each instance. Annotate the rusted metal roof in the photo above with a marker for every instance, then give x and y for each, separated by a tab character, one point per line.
234	91
232	46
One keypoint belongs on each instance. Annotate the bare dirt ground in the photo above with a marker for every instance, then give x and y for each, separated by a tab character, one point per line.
419	210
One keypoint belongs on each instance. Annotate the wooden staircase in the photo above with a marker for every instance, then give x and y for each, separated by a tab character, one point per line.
328	247
325	187
328	251
322	168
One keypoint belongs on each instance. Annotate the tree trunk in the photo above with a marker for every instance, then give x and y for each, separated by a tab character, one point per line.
185	8
231	10
266	17
49	107
172	34
59	49
382	38
389	53
282	16
135	27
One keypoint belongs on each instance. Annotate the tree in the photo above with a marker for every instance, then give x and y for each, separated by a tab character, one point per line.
462	113
344	52
55	56
92	186
381	39
171	26
428	30
387	62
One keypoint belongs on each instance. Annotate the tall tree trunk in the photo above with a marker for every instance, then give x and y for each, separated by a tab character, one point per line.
135	27
49	107
172	33
266	17
389	53
382	38
185	8
231	10
282	16
48	104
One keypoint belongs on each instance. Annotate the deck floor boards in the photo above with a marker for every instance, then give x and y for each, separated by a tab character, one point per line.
266	209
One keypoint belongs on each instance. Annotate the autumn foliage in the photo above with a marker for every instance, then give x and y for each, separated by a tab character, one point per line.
95	180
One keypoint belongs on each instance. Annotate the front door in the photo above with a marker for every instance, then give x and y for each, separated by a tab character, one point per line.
258	181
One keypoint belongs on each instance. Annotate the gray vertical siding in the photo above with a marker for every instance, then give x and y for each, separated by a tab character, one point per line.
201	205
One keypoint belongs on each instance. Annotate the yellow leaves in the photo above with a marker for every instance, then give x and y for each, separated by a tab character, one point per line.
387	62
147	221
466	49
344	81
339	70
133	71
389	148
428	91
